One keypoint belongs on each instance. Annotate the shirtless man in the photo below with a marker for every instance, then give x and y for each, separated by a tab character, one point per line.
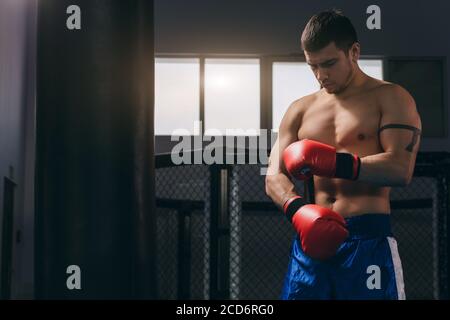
356	137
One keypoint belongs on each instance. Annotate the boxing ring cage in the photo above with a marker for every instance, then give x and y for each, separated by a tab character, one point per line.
219	236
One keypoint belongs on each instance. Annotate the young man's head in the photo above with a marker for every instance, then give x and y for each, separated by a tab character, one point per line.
331	48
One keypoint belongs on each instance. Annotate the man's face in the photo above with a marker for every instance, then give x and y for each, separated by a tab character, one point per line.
332	67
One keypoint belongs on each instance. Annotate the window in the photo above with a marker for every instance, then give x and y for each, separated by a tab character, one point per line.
232	96
231	91
373	68
177	94
291	80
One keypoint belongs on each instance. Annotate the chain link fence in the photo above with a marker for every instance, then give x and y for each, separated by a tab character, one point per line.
183	221
221	237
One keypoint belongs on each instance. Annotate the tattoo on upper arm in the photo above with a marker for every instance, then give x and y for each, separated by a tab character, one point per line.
415	137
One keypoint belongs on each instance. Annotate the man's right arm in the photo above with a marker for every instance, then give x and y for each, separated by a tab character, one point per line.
279	187
321	230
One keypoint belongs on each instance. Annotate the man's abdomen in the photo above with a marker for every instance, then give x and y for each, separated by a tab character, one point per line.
351	198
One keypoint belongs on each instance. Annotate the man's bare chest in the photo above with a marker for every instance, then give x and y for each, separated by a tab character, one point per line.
351	126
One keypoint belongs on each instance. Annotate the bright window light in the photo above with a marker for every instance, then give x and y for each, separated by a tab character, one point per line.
291	81
373	68
232	96
177	95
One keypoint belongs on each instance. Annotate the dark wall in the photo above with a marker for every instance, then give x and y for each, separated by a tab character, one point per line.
270	26
17	85
409	28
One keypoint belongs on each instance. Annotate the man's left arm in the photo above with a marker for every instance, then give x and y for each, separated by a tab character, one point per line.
399	136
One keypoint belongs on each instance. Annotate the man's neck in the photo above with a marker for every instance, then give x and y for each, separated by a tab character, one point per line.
355	84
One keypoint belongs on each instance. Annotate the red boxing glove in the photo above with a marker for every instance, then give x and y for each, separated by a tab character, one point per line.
307	157
321	230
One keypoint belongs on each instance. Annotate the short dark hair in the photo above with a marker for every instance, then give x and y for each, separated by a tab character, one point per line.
326	27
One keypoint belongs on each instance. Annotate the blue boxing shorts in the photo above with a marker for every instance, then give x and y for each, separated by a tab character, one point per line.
366	266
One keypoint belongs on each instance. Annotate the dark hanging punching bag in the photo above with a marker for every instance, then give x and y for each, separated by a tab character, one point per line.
95	223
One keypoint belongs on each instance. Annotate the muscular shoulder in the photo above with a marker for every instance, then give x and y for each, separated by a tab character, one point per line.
294	111
397	104
299	106
393	94
294	114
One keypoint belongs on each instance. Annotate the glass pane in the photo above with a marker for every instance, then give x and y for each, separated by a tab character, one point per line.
177	95
291	81
232	96
373	68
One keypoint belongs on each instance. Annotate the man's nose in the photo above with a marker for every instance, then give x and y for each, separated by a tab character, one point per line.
322	74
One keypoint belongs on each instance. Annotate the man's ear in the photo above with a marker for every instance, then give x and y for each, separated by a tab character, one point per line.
355	51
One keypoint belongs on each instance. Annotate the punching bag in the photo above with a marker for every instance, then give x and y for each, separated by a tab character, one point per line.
95	217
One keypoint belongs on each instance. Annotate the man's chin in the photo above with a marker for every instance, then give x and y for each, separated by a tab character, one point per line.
333	89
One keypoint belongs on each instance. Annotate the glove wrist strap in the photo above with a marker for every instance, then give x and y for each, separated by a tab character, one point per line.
291	206
347	166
